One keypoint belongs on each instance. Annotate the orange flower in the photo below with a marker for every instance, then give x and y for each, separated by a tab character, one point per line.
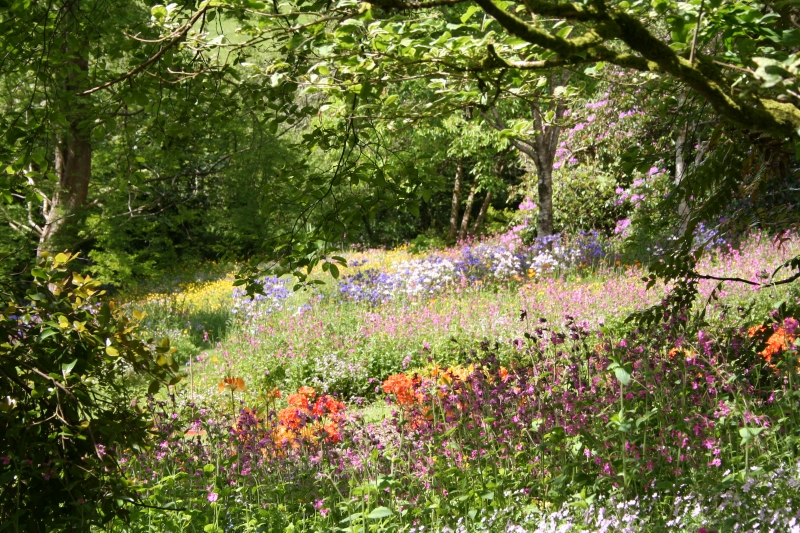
298	401
503	373
232	384
327	405
308	392
309	420
290	417
777	342
332	429
402	387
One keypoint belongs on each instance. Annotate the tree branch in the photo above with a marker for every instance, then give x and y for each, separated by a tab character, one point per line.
176	37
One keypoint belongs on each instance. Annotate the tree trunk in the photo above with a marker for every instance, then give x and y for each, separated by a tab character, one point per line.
544	223
541	149
482	213
73	163
452	232
681	156
368	229
467	211
73	153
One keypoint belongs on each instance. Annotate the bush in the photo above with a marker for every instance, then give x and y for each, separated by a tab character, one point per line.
65	413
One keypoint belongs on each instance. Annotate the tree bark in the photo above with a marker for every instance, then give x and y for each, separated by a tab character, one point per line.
482	213
544	222
467	211
456	202
73	164
546	143
73	153
681	163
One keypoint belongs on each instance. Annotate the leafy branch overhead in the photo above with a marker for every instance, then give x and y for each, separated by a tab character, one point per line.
755	90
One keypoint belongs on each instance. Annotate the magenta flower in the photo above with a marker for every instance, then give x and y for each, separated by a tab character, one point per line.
212	497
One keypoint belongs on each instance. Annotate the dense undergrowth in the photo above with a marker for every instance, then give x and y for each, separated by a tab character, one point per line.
468	401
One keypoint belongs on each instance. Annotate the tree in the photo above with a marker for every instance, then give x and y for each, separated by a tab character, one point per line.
541	142
739	57
73	69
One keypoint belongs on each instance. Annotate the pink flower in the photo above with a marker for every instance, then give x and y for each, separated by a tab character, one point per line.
212	497
527	205
715	462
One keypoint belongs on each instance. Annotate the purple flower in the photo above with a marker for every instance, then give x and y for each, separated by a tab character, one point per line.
622	226
791	325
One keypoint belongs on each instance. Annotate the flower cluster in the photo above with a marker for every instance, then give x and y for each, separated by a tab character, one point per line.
309	418
500	260
782	338
275	293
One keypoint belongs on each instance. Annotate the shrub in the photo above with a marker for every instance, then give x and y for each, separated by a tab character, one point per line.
65	413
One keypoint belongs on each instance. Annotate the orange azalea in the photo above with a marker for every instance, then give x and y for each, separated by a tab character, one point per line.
283	436
298	401
326	404
777	342
685	351
503	373
274	393
307	419
332	429
402	387
290	417
231	384
308	392
462	373
309	434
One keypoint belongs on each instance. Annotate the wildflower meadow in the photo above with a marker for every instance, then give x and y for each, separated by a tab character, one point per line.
492	386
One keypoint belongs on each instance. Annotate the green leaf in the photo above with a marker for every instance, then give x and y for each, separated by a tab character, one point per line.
471	10
154	387
623	375
380	512
159	12
113	352
47	333
748	434
66	368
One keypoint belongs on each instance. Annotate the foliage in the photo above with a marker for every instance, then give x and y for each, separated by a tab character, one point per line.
66	410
